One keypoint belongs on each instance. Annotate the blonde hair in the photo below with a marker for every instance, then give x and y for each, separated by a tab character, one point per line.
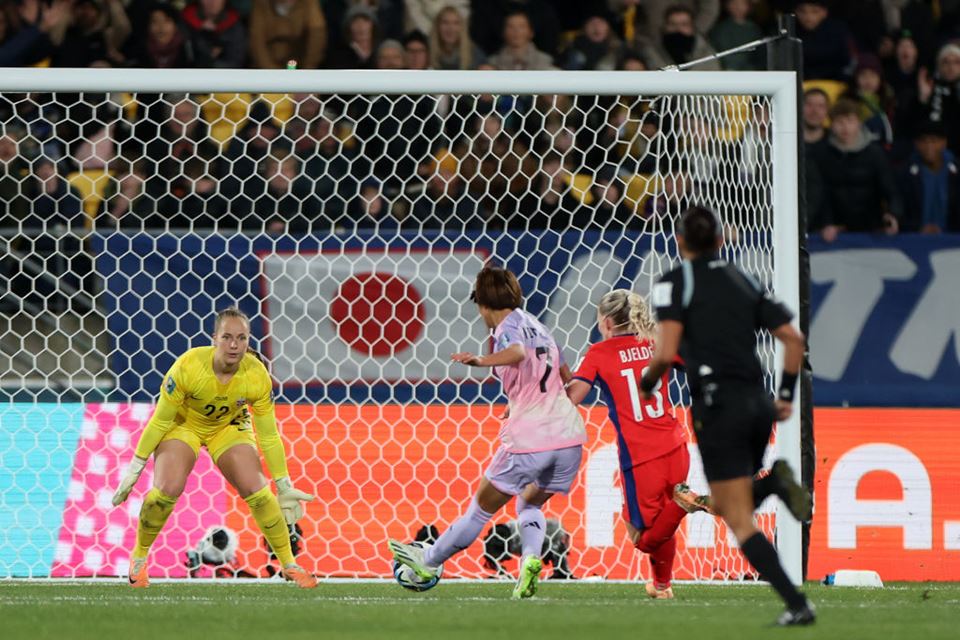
628	310
466	45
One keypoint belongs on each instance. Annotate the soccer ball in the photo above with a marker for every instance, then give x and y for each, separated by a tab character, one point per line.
407	579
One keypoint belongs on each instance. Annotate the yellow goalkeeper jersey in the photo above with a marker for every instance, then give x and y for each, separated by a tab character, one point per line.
192	397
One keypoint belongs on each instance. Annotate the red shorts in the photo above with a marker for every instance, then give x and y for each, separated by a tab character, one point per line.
648	487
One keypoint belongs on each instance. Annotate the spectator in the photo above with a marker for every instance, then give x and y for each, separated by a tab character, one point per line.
443	203
816	109
127	204
679	42
306	110
609	209
488	19
328	163
284	30
876	98
165	46
931	183
939	96
391	55
281	198
735	30
390	16
635	136
519	52
869	22
216	33
916	17
450	45
826	42
497	167
37	117
549	203
395	132
902	73
99	30
596	48
183	136
422	14
631	60
642	19
255	141
54	201
192	200
25	35
417	51
14	206
371	210
360	34
859	186
676	197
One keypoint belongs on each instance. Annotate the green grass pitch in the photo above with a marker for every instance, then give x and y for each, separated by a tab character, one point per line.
594	611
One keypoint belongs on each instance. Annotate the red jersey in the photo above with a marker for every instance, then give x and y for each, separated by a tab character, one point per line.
646	429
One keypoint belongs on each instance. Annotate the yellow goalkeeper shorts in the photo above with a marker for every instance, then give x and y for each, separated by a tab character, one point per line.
227	437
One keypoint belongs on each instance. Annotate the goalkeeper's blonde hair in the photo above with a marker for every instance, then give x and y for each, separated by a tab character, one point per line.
629	311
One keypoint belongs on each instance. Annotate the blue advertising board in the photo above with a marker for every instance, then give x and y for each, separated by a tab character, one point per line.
885	327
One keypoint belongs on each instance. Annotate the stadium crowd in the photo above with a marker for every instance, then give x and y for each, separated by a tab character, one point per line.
881	116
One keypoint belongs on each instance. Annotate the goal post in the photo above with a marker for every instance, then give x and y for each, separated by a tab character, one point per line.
364	410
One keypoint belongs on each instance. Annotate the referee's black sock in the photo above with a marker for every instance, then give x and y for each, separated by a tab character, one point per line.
764	559
762	488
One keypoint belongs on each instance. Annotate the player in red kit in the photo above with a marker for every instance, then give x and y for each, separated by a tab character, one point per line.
652	445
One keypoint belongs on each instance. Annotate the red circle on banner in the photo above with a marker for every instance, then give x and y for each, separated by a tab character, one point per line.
377	314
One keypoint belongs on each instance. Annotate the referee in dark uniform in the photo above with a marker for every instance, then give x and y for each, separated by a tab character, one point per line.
710	311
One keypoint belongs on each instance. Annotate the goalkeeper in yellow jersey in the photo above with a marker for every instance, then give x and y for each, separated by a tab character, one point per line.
203	402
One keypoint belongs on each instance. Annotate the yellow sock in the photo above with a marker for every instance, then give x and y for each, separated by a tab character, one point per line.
157	507
266	511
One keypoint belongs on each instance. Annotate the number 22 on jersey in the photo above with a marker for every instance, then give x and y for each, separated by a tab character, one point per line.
655	406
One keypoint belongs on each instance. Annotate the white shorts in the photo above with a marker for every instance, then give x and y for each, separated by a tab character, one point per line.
552	471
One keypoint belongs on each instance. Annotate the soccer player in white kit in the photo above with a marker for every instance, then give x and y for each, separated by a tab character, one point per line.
541	440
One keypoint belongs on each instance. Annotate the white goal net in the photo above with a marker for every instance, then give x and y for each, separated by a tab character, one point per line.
347	216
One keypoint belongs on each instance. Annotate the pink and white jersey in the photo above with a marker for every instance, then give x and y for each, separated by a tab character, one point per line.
542	418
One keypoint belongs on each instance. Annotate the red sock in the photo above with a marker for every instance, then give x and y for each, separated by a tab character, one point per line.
661	561
662	529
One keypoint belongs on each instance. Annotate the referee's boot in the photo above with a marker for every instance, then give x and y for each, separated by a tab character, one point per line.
798	617
797	498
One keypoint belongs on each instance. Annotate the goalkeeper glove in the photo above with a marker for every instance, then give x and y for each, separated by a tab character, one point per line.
129	479
290	499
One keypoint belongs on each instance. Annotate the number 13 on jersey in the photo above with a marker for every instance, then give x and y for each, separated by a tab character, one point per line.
654	406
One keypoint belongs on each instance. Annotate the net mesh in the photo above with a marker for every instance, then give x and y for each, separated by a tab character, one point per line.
349	228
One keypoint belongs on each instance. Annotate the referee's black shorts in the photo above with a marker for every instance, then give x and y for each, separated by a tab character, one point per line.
733	426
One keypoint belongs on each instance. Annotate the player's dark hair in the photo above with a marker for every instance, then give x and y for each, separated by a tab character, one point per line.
497	288
701	229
